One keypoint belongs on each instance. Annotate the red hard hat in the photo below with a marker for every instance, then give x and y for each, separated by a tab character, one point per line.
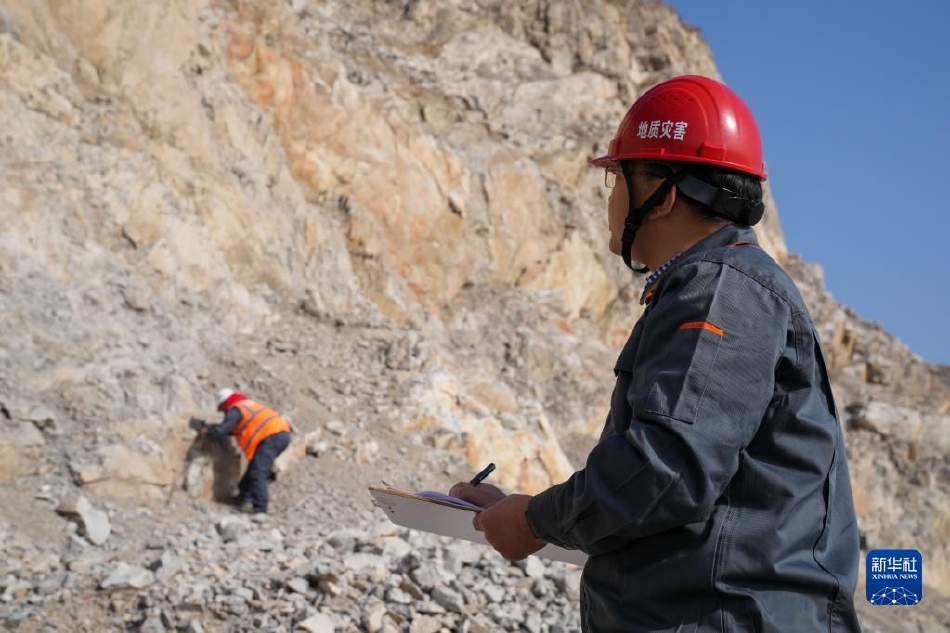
231	400
689	119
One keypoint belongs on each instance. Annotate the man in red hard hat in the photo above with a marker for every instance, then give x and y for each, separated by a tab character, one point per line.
718	497
262	436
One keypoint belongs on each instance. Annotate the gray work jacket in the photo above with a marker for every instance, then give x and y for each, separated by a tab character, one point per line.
231	419
718	497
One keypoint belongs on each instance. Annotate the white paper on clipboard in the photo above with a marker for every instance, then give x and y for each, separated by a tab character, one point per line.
445	519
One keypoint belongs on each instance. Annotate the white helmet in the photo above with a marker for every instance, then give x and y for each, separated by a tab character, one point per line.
223	395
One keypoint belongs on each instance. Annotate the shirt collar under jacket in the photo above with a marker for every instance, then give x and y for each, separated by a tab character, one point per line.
654	277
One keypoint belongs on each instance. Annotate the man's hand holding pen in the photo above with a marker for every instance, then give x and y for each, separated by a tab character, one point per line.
483	495
503	521
476	492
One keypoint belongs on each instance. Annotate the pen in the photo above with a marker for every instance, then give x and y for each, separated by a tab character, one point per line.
480	477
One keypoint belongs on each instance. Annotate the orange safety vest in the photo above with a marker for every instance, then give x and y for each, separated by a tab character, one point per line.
257	423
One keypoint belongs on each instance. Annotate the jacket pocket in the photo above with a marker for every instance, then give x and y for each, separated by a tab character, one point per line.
684	376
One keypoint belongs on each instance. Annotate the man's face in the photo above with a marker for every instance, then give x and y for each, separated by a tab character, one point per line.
618	205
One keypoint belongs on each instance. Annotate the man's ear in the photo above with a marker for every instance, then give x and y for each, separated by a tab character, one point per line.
666	206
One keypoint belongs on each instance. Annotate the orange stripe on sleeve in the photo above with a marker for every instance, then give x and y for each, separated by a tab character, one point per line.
702	325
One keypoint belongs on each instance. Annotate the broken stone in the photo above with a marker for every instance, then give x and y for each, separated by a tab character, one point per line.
51	584
244	593
373	618
398	596
259	542
300	585
425	624
136	297
344	540
448	599
362	562
169	566
14	617
9	460
533	567
16	590
152	624
395	546
37	414
84	561
26	435
44	419
494	593
232	528
94	523
336	427
194	626
568	585
367	452
317	448
319	623
412	589
126	576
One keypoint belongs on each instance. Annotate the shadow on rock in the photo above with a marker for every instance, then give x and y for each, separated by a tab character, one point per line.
212	467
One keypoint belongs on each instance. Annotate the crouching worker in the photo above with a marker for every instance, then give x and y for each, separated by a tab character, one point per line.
261	434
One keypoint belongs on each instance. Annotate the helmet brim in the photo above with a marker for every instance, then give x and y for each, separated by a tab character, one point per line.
603	161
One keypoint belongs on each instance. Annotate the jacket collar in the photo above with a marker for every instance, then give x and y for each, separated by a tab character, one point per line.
730	234
727	235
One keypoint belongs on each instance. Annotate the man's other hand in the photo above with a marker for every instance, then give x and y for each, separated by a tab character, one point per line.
483	495
506	527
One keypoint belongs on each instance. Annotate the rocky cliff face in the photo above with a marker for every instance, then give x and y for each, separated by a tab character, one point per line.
376	216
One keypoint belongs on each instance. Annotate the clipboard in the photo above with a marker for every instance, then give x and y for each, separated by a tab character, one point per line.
442	517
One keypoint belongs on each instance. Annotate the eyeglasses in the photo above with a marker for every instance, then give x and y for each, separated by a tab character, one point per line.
610	177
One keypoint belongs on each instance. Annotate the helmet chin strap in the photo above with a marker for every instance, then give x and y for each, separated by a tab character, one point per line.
635	216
